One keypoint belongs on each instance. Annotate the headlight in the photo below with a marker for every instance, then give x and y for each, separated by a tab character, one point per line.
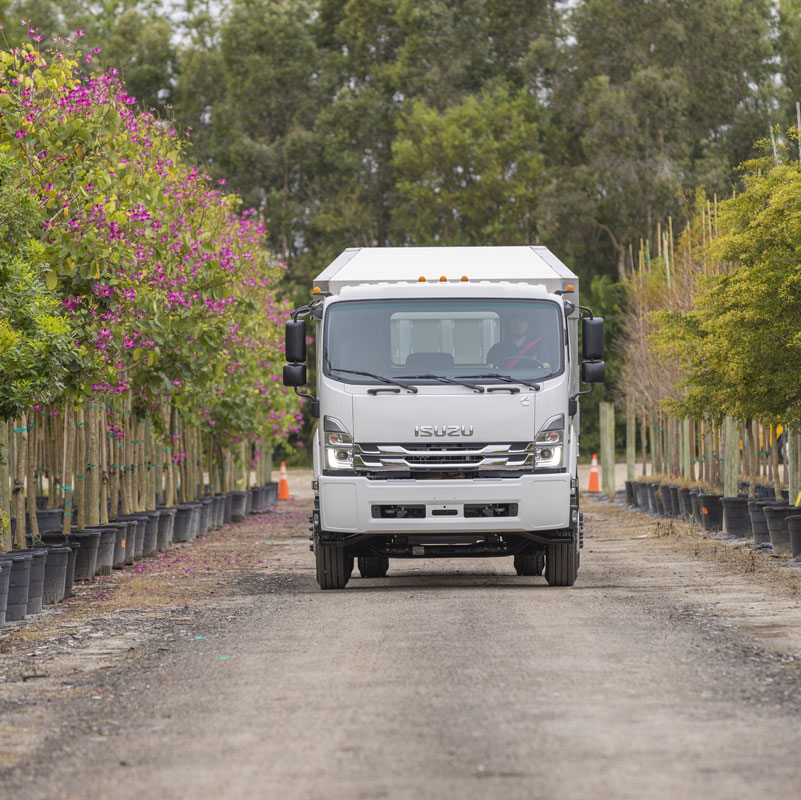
339	444
550	443
339	457
548	458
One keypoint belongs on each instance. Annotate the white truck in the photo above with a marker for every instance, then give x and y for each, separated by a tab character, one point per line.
448	385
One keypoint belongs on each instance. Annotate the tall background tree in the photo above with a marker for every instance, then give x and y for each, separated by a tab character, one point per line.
582	126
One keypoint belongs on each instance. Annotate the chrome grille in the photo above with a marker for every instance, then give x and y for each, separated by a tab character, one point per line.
457	457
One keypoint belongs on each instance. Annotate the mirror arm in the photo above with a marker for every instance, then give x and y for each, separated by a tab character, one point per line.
572	407
315	403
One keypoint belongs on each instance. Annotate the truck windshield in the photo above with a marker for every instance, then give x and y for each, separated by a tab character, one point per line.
449	338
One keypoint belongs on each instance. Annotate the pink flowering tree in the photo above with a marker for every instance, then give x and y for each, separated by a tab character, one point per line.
168	290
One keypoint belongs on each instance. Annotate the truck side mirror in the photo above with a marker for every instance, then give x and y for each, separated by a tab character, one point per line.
294	374
592	338
591	371
295	336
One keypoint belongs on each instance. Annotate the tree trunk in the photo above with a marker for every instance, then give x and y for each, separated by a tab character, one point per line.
774	458
5	496
102	449
92	466
31	492
79	489
20	469
66	469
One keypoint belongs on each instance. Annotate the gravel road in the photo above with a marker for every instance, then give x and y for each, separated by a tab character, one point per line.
661	674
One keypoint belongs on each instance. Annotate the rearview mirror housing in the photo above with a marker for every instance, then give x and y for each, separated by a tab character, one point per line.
295	338
591	371
294	374
592	338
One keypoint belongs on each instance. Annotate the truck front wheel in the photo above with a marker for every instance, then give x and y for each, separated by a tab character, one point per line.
334	565
561	564
373	566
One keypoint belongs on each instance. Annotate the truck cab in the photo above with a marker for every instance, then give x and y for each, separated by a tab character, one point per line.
447	394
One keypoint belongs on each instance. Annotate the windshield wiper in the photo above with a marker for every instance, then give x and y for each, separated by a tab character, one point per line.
390	381
507	378
443	379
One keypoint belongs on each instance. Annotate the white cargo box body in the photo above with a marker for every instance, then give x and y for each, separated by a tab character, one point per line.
533	264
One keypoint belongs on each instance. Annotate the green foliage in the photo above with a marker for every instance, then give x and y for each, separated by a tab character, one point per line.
470	175
35	339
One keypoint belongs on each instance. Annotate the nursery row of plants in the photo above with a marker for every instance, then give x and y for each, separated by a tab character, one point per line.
140	311
45	574
712	348
770	525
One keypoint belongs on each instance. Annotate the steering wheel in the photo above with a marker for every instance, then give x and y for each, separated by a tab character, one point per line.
510	359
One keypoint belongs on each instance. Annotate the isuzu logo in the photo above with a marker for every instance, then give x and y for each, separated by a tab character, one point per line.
443	430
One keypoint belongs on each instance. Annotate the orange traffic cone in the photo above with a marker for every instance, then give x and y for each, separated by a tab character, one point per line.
283	485
594	484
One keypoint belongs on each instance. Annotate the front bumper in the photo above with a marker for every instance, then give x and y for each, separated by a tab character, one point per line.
542	500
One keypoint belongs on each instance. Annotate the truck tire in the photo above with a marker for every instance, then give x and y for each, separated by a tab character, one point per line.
530	563
373	566
561	564
334	565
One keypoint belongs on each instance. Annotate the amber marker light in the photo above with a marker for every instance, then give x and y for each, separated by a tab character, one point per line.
464	278
442	278
421	279
569	287
316	290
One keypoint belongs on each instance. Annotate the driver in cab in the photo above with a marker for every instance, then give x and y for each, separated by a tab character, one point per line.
517	349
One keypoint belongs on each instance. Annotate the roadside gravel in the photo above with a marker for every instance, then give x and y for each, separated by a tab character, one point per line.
672	667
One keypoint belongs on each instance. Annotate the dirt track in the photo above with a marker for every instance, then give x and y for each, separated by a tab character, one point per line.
662	673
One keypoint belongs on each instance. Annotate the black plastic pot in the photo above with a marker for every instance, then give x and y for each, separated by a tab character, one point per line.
227	508
19	580
5	575
712	511
53	538
736	520
272	493
105	549
136	537
255	500
759	525
695	502
182	530
685	504
55	574
36	581
779	535
219	510
206	505
195	521
764	492
238	506
151	540
86	557
641	493
670	494
48	519
793	523
124	529
248	502
166	522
